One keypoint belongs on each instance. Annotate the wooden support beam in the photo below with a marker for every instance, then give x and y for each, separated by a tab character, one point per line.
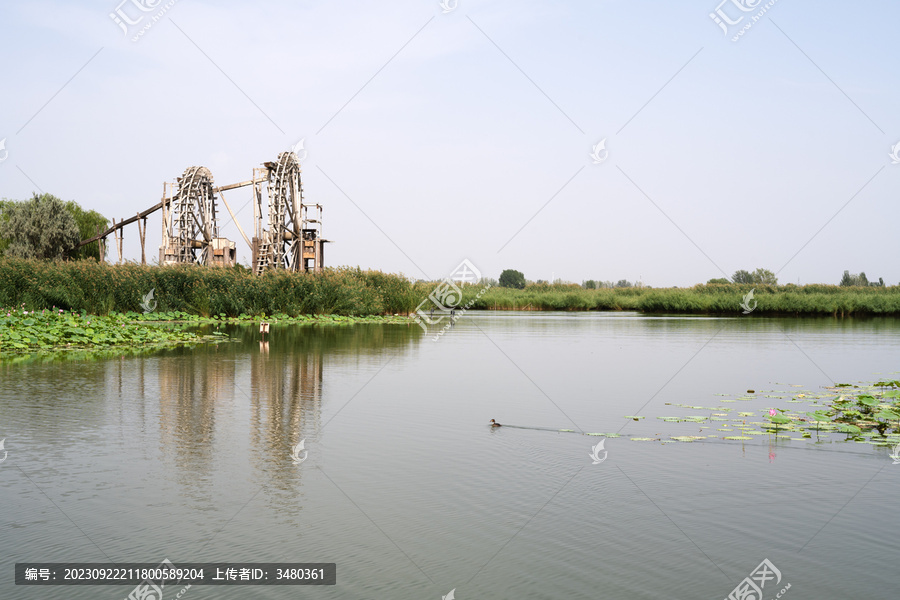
116	240
163	204
124	222
234	218
101	245
232	186
142	231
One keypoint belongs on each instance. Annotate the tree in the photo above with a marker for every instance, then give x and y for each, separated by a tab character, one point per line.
718	280
760	276
623	283
5	207
510	278
847	279
742	276
852	279
88	221
765	277
590	284
39	228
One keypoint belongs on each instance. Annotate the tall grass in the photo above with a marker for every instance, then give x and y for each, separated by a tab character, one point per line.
790	299
102	288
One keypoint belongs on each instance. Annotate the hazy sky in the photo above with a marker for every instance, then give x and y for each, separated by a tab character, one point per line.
435	136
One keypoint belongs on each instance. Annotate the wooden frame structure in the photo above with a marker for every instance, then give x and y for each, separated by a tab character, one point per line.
286	238
287	232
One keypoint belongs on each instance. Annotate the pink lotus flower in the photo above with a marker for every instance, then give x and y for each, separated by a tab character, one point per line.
772	412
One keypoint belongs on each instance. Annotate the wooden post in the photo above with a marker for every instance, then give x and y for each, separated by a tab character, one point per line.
116	241
143	233
165	217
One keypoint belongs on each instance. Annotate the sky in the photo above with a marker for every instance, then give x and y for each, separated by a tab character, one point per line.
606	139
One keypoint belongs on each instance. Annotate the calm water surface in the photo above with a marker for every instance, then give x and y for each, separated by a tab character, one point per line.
186	455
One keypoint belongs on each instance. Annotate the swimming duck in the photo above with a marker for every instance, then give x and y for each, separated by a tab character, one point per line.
495	423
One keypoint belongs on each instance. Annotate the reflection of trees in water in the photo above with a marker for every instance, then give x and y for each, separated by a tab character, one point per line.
285	407
54	395
190	384
287	380
360	338
283	392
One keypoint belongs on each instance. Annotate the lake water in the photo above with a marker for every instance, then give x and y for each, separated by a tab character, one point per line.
186	454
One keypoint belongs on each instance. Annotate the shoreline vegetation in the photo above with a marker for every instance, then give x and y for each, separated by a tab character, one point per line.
702	299
80	334
102	288
85	304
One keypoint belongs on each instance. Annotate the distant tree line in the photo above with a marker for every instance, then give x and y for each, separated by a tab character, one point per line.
860	280
759	276
590	284
511	278
766	277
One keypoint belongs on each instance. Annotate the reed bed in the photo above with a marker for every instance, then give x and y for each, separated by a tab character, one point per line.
103	288
789	299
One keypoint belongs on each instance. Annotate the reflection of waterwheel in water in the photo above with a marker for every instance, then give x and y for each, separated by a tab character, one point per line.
280	245
192	227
